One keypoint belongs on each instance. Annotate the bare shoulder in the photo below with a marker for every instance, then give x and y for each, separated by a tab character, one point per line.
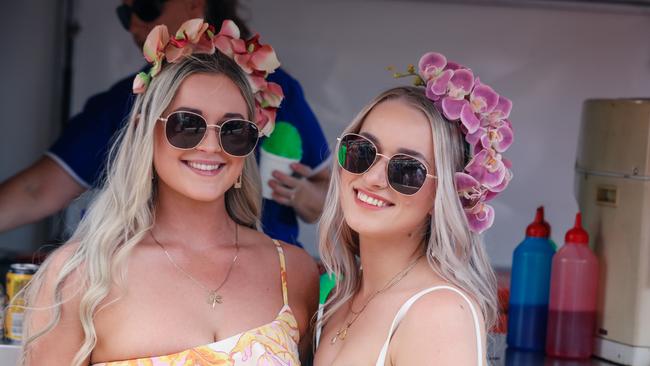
440	326
58	271
302	271
299	259
58	262
303	284
56	289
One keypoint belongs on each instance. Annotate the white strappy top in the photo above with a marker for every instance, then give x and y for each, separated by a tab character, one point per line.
381	360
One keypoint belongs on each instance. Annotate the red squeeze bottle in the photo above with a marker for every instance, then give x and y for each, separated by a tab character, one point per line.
572	304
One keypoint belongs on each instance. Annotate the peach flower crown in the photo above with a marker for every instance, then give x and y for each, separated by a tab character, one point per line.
198	37
483	117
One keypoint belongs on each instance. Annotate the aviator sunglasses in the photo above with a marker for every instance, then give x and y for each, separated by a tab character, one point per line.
147	10
186	130
406	174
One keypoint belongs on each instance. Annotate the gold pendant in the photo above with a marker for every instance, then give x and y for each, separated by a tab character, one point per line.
214	298
341	334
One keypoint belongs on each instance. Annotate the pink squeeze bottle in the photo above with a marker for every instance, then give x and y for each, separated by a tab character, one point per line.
572	304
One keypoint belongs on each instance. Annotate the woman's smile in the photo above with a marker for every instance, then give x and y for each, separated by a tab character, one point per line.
371	201
205	167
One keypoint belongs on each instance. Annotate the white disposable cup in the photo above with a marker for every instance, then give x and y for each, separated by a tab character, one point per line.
270	162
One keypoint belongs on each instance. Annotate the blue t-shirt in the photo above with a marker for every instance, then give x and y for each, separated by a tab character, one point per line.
83	147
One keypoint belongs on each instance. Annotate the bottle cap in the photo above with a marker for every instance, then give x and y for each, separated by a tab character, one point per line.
577	235
539	228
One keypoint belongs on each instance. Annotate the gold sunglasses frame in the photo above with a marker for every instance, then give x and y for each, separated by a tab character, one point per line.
207	127
378	154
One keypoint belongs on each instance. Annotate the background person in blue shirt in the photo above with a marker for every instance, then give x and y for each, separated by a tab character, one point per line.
76	161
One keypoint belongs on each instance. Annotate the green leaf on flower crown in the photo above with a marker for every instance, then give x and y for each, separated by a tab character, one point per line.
251	48
180	35
418	81
264	104
145	77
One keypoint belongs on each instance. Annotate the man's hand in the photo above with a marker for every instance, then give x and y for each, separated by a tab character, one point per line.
305	193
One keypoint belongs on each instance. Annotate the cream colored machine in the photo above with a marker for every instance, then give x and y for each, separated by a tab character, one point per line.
613	191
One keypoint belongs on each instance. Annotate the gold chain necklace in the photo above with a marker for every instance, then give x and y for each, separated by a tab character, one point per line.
343	331
213	297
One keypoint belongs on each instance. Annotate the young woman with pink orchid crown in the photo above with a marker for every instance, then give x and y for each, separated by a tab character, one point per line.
401	224
167	267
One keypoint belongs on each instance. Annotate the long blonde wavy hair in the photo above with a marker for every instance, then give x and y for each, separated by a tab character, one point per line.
452	250
123	211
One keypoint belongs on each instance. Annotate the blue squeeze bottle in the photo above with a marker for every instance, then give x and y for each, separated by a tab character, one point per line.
529	287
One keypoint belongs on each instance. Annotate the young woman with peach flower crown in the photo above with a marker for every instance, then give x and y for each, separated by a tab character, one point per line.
400	230
167	267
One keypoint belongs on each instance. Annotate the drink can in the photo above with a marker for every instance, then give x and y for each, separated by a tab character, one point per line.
3	303
18	276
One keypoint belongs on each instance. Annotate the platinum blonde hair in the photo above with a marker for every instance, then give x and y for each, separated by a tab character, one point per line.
123	211
452	250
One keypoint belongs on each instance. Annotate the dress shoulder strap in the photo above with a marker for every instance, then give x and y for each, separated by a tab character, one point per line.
283	272
407	305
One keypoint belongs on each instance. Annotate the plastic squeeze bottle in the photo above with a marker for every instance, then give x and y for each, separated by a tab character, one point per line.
529	287
572	306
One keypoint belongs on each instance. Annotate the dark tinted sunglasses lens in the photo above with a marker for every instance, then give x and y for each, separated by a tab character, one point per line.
406	174
185	130
124	14
239	137
356	154
147	10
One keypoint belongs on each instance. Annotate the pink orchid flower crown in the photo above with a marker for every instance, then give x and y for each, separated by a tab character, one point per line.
483	116
198	37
